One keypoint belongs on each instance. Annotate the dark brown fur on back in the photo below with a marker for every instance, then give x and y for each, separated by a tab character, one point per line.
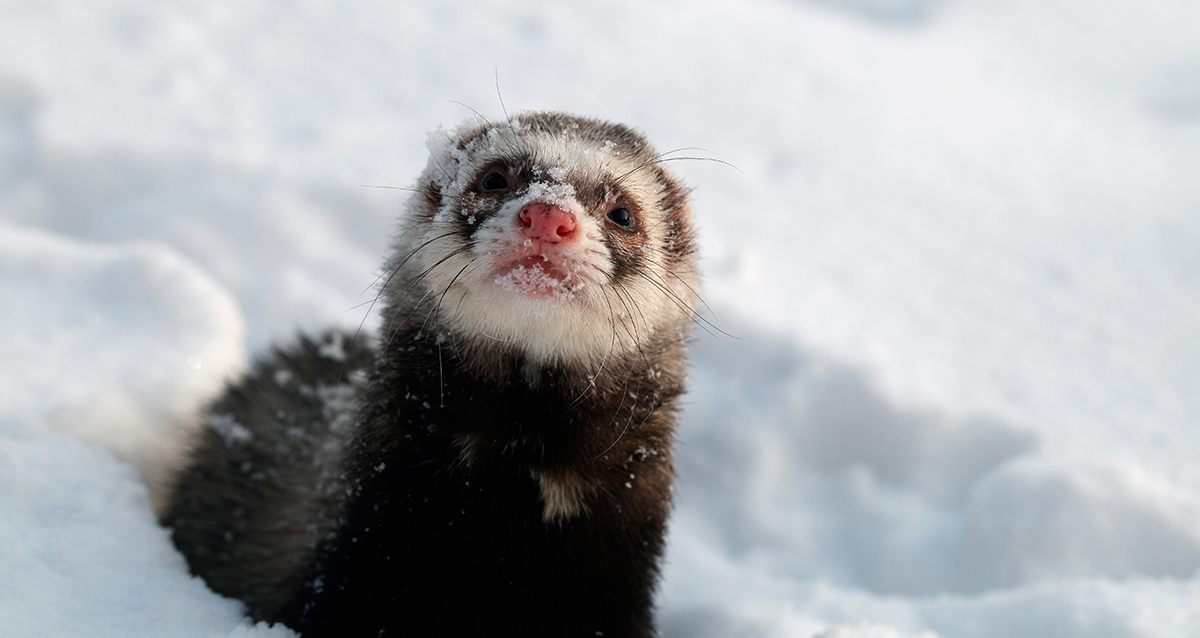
268	470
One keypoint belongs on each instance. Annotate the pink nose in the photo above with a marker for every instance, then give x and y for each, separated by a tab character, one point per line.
546	222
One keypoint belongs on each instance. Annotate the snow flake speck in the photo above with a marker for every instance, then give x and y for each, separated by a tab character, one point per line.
230	431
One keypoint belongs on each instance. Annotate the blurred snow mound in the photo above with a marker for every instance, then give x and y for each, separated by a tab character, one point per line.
885	10
868	630
82	555
324	241
1035	522
114	343
800	467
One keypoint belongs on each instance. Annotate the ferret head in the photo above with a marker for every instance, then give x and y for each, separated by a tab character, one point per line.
564	237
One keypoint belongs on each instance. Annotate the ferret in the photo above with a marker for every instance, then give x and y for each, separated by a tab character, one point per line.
497	460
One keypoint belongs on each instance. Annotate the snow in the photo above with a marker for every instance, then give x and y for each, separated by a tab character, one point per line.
83	556
535	280
953	387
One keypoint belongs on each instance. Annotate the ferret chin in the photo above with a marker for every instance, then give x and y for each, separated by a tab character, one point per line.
498	460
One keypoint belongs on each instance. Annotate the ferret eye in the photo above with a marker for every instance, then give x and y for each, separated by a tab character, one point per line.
493	183
620	216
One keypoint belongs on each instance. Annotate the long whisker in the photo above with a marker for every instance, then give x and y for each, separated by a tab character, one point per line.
391	272
451	255
410	189
500	97
695	317
612	344
662	158
483	121
451	284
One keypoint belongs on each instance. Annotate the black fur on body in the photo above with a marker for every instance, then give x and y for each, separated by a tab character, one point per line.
491	478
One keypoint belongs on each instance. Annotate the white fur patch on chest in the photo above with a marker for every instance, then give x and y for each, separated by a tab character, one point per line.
562	495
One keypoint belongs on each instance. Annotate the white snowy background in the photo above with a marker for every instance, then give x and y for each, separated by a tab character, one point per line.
959	261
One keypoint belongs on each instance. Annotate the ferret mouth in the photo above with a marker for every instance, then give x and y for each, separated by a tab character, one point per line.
537	277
